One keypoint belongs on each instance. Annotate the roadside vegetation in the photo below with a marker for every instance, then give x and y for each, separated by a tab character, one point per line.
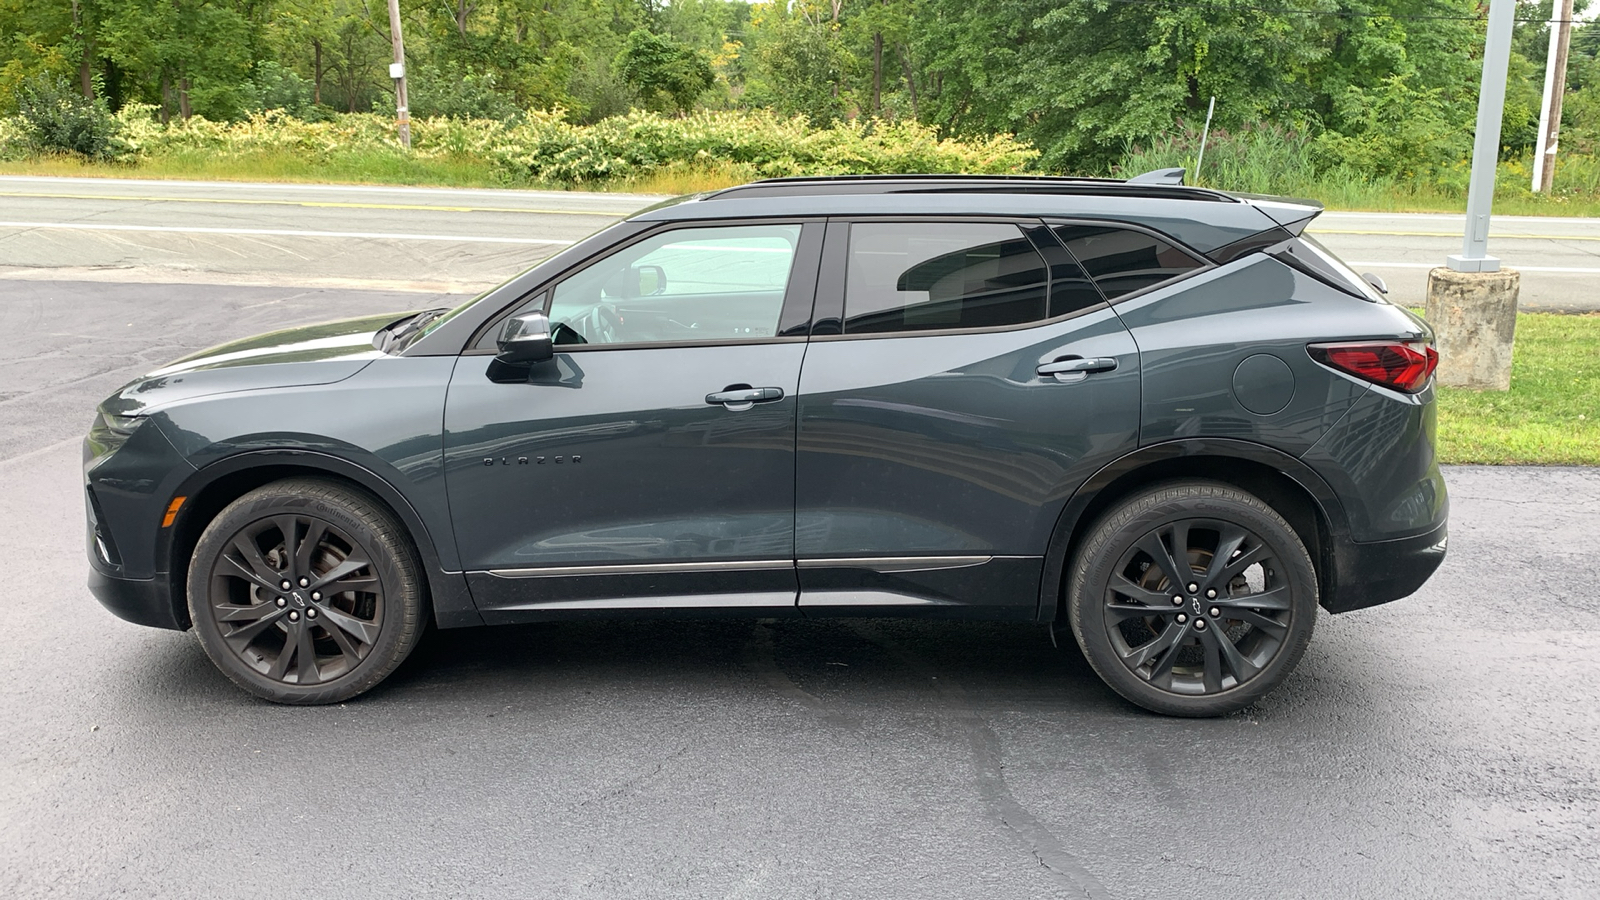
1364	105
1551	415
639	150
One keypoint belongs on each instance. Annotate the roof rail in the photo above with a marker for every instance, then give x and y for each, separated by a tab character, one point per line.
1020	184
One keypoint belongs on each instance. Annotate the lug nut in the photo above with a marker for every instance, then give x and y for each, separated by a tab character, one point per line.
1193	588
1215	612
312	613
1199	624
1211	594
294	616
1182	618
1177	601
282	602
304	581
316	595
285	584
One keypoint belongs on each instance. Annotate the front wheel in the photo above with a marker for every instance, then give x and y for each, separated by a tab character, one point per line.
1192	599
306	591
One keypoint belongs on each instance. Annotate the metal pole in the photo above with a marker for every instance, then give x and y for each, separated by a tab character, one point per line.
1486	141
1544	106
397	71
1204	133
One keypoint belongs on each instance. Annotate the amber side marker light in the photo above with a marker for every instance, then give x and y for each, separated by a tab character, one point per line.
1403	366
172	511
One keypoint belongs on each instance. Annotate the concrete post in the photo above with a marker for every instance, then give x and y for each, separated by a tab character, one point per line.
1474	318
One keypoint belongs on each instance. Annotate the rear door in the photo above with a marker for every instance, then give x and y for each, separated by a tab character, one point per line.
651	463
964	377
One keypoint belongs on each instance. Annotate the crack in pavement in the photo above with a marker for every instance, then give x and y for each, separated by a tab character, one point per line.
1044	846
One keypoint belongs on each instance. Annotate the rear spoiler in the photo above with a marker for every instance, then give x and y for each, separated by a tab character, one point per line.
1292	213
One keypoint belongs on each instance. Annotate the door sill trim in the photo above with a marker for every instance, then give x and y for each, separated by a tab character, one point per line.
888	564
743	565
752	600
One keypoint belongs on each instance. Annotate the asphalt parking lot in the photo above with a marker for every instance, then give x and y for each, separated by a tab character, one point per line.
1444	746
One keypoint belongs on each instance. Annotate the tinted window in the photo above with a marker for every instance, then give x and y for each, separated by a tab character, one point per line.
689	284
934	275
1070	287
1123	261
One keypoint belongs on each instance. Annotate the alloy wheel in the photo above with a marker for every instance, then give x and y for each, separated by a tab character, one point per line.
1198	606
296	599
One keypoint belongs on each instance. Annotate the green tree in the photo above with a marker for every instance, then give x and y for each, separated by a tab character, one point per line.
666	73
189	56
803	66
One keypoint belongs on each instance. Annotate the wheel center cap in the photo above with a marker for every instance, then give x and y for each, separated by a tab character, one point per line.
300	601
1194	604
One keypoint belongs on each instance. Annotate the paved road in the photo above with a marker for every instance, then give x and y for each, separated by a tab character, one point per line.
1445	746
437	240
1559	258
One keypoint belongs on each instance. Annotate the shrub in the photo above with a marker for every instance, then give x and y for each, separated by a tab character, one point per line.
57	118
459	95
275	87
545	147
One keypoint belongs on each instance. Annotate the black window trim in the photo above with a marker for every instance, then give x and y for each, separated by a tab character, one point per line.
794	319
1051	222
828	318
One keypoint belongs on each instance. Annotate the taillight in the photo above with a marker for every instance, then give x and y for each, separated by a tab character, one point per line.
1393	364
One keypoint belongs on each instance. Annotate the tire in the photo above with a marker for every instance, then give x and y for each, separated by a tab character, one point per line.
354	606
1185	652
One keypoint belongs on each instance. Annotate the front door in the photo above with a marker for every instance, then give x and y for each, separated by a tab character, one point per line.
963	379
651	463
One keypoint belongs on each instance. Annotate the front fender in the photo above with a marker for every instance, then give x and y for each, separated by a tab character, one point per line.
452	604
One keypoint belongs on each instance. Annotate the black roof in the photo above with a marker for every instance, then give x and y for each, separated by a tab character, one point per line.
1203	219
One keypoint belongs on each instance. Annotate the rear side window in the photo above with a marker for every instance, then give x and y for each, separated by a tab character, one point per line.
1121	260
1309	256
923	276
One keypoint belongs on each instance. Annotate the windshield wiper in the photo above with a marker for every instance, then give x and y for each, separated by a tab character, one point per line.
396	335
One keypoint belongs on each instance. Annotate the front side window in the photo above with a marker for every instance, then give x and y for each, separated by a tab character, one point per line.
688	284
906	276
1122	260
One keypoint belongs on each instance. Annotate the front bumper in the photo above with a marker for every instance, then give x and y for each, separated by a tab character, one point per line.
1367	574
142	602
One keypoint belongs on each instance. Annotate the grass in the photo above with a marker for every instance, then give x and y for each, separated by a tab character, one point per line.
345	168
1551	415
1267	160
356	168
387	168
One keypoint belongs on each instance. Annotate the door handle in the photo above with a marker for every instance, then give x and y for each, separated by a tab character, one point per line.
1067	371
738	397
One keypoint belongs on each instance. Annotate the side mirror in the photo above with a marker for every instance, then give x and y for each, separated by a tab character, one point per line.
634	282
1376	282
652	281
525	340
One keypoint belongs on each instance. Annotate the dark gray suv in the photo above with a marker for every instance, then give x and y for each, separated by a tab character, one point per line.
1155	414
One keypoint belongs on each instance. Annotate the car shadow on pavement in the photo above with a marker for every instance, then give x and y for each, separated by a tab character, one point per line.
840	669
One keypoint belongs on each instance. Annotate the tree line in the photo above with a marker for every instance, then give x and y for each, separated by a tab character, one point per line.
1391	83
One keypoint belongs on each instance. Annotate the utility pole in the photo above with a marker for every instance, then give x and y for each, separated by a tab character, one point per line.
397	71
1555	85
1472	302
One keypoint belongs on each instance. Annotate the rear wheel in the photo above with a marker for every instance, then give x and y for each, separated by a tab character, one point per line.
306	591
1192	598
